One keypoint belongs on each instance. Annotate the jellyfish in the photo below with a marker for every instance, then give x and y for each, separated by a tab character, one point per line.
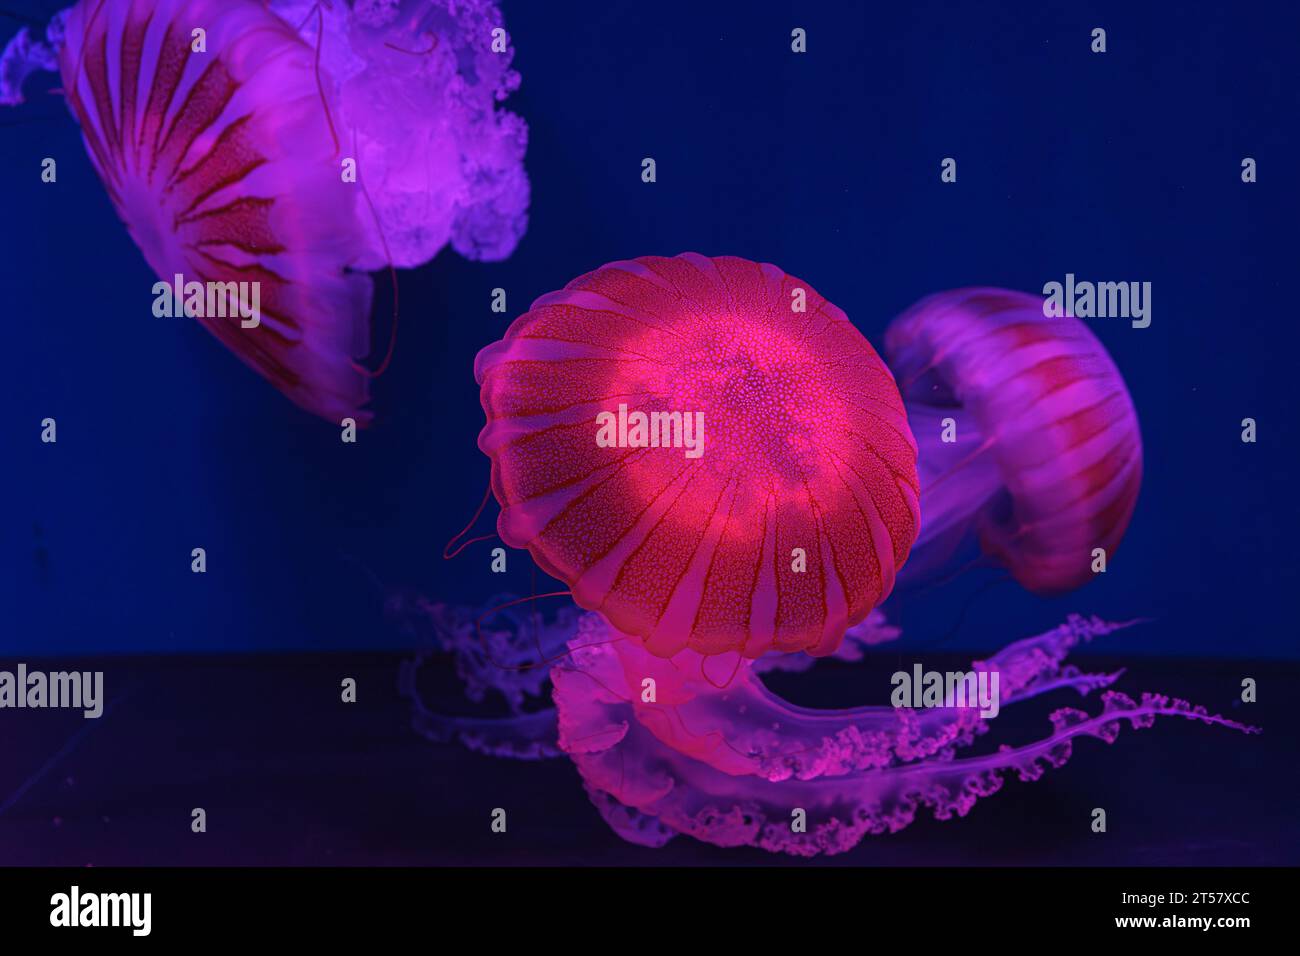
291	148
658	689
755	484
1027	436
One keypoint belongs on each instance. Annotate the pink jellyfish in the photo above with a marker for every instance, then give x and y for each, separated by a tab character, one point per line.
672	728
275	152
1026	431
706	451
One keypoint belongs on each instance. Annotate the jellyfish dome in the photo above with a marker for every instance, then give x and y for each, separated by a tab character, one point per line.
706	451
1027	435
278	151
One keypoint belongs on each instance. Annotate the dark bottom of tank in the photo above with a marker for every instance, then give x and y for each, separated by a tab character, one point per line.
289	775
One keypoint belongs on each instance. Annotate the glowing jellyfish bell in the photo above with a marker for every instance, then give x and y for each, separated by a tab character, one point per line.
706	451
294	145
1026	431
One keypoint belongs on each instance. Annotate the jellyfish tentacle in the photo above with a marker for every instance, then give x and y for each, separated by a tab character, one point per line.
728	810
448	552
24	56
529	736
870	775
420	88
748	729
392	275
631	824
729	765
507	664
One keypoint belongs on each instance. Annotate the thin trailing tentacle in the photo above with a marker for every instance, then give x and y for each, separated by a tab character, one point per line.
742	767
24	56
666	747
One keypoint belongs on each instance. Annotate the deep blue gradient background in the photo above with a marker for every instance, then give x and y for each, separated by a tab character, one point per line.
1123	166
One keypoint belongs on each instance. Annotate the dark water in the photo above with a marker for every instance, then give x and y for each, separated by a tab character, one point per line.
288	776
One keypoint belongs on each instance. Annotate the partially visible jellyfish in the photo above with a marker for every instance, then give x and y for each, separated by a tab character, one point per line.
220	164
659	702
1026	432
705	450
294	145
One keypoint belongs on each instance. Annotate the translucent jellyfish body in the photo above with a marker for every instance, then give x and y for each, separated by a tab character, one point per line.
737	766
771	495
699	746
415	87
295	146
1026	432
